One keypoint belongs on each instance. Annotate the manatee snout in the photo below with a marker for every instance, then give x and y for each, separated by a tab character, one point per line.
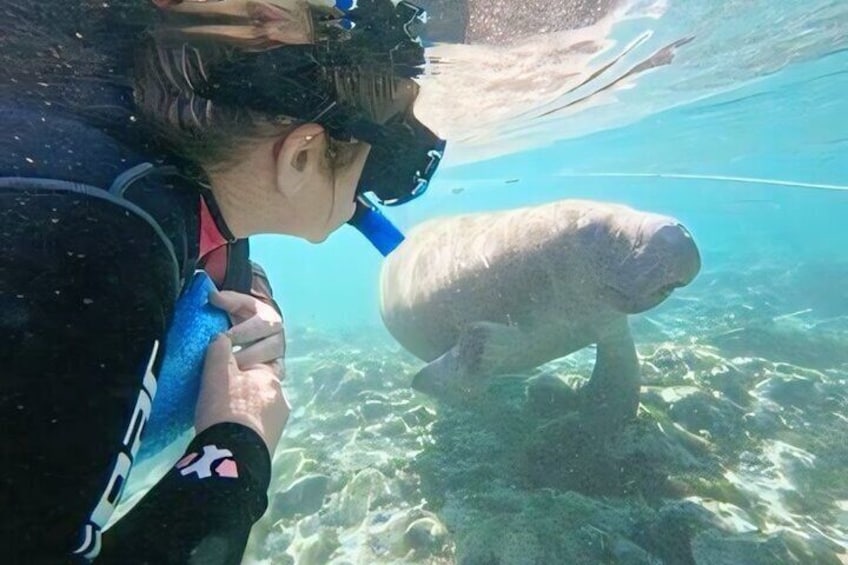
681	256
666	258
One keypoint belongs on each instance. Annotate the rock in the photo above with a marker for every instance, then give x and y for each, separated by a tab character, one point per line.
309	526
666	366
548	395
730	381
665	534
425	536
278	541
420	416
362	493
287	464
326	378
789	391
349	420
625	552
657	446
373	395
712	547
374	409
674	394
701	411
317	549
394	426
727	517
353	382
397	535
763	422
282	559
304	496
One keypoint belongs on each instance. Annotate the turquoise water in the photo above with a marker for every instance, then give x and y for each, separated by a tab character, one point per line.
758	173
738	453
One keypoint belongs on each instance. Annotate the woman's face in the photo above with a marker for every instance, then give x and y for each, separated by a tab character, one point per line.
302	184
327	202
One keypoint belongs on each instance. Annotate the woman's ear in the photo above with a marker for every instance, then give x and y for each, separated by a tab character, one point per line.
298	158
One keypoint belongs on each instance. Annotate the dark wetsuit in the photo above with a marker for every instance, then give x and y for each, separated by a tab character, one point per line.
87	287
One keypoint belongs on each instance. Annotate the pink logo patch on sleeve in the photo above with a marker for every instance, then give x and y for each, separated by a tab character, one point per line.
212	462
186	460
227	469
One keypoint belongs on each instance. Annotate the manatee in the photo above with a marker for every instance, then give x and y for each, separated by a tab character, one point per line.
487	294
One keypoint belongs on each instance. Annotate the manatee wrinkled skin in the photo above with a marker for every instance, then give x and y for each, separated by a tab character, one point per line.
488	294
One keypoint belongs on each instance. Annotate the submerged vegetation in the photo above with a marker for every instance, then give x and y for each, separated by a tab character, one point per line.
737	454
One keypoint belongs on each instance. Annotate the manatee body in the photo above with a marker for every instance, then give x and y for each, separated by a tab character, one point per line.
489	294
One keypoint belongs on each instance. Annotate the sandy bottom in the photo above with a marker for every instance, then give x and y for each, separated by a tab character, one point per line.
738	454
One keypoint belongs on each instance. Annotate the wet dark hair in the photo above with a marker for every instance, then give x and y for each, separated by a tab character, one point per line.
183	84
73	56
183	121
207	93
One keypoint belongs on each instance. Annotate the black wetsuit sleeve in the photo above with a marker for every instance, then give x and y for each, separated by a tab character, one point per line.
202	511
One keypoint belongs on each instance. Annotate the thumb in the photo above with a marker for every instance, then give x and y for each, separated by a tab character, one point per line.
214	383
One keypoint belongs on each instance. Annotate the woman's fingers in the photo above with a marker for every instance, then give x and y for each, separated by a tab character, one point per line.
255	329
252	397
265	351
258	331
234	303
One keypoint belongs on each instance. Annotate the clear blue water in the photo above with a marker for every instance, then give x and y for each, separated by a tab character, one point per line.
782	137
740	132
730	115
742	135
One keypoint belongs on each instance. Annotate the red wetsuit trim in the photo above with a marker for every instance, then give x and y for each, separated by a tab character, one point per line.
213	252
210	236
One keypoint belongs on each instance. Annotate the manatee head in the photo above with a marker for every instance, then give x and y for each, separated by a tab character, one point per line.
642	259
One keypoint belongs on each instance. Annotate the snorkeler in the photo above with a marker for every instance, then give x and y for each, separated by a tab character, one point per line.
142	145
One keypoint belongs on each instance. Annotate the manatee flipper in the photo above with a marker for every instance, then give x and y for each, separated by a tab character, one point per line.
483	349
612	393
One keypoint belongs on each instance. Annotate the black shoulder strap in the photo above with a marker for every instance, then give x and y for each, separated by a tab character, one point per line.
32	190
239	276
153	188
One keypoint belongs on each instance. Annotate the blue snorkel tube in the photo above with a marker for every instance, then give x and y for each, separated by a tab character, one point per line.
377	228
368	219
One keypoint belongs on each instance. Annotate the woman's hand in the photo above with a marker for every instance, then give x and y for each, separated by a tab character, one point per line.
257	330
252	397
243	387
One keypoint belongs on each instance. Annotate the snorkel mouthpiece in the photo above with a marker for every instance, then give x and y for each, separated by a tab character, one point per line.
377	228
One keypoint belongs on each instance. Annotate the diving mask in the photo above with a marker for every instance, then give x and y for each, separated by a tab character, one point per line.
354	80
